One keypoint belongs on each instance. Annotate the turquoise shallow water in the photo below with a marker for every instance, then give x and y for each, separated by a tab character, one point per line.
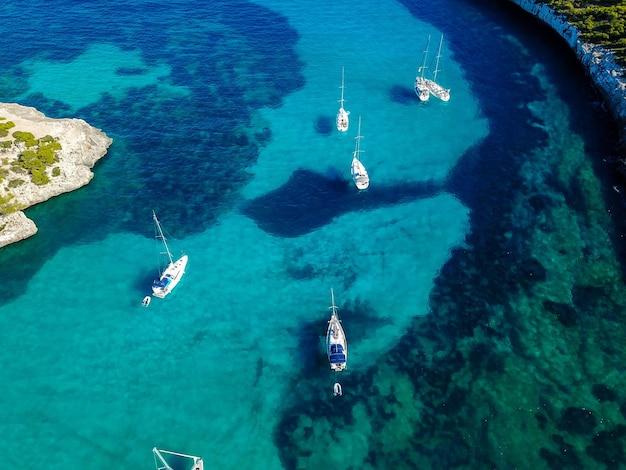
480	211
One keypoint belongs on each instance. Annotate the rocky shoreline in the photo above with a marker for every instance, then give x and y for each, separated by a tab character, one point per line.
606	74
81	147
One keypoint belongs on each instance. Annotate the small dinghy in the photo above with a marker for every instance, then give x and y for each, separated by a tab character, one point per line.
146	301
337	391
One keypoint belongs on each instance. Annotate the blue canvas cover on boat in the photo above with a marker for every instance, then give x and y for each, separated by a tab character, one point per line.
336	354
161	283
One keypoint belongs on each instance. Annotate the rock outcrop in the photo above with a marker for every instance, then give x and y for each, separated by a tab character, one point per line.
15	227
81	147
606	74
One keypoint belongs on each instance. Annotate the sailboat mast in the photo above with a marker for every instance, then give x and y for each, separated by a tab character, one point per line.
437	63
357	146
342	87
158	225
332	306
422	69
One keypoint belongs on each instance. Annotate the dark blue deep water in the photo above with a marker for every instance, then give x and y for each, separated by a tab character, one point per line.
479	278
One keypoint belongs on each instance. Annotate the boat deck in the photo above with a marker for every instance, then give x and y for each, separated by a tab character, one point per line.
336	336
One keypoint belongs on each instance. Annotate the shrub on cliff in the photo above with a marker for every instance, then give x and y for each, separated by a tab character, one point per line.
51	142
15	183
46	154
40	177
26	137
5	126
7	206
36	161
29	160
36	164
599	22
16	168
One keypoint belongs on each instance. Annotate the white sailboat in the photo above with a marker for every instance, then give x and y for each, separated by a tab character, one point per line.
440	92
359	173
342	116
421	87
172	275
336	342
190	462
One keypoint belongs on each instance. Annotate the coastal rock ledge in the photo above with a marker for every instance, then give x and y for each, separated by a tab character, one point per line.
605	73
81	147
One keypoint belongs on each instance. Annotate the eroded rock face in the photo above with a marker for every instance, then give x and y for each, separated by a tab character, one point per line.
606	74
82	146
15	227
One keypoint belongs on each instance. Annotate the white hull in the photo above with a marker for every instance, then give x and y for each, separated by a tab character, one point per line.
357	169
170	277
336	342
425	87
342	120
421	89
420	86
440	92
336	336
359	174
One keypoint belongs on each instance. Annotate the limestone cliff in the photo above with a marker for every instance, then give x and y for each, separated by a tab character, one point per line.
605	73
81	147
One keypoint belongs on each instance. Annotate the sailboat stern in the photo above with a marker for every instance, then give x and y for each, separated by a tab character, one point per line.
337	357
170	277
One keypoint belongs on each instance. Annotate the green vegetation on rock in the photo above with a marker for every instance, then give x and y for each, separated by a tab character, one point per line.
15	183
26	137
36	162
599	22
16	168
7	205
5	126
39	176
35	159
30	161
47	154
